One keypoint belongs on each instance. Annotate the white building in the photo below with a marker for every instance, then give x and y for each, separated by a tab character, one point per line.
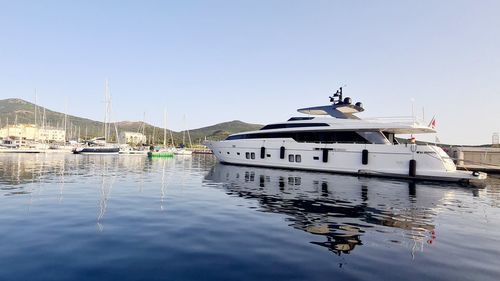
132	138
30	132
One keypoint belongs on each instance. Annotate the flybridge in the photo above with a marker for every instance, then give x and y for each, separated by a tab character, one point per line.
341	108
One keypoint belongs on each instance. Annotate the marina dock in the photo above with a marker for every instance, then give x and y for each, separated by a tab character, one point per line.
484	159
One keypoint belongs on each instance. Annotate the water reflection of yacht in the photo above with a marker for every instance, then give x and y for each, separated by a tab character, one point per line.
343	144
339	208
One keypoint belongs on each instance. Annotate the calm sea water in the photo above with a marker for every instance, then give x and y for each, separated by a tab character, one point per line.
76	217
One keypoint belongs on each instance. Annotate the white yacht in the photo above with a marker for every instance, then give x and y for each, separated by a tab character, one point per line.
333	139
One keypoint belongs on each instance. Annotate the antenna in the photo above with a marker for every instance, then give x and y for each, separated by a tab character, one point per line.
337	97
495	140
413	108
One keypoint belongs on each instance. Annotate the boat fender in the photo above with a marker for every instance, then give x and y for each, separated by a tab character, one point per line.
282	152
413	168
325	155
364	157
262	152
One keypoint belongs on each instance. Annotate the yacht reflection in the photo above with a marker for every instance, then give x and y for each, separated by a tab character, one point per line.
340	209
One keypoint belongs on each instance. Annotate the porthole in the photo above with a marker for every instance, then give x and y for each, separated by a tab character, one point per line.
291	158
298	158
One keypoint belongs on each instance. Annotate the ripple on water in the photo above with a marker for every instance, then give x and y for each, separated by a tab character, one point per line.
132	218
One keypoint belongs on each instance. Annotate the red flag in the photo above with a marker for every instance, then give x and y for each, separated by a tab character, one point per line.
432	124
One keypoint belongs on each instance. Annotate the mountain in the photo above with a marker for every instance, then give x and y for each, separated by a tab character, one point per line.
18	111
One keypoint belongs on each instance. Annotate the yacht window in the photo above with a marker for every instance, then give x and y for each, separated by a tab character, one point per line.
252	155
374	137
308	136
293	125
300	118
247	155
291	158
237	153
316	158
298	158
391	137
268	155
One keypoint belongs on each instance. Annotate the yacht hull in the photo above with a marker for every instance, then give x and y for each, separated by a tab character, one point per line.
429	162
97	150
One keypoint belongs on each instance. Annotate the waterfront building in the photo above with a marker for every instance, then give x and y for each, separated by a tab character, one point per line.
30	132
132	138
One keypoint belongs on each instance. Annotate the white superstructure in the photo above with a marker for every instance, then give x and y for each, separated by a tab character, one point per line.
343	144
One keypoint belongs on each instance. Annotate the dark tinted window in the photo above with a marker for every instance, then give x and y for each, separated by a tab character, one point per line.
300	118
296	125
323	137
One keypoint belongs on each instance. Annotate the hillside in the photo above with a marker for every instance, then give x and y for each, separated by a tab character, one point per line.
222	130
23	112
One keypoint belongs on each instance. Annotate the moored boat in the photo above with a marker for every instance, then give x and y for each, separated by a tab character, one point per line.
183	151
96	146
99	145
157	152
343	143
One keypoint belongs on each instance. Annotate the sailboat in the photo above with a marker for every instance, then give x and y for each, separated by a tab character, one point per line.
99	145
165	151
182	149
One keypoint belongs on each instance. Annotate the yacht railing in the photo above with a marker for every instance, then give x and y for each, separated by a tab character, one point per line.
396	119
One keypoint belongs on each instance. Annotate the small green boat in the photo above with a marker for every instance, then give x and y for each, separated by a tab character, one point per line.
154	154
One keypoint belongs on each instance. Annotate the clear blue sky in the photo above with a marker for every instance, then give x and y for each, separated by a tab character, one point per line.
257	61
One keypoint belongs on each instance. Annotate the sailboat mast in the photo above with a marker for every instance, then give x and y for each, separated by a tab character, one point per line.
165	128
106	110
172	138
65	118
36	102
109	117
184	132
144	123
43	127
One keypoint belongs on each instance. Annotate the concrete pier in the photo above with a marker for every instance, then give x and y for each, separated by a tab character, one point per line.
485	159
